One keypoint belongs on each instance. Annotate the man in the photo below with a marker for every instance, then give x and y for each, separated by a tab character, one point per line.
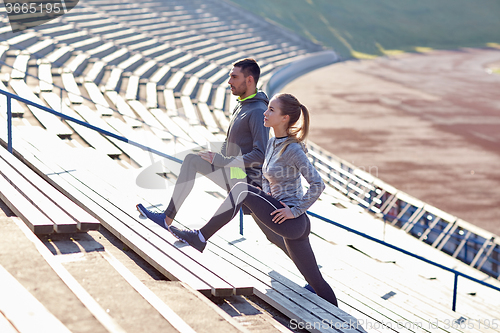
242	152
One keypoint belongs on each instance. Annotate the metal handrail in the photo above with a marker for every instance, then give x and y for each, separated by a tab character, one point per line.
83	123
394	247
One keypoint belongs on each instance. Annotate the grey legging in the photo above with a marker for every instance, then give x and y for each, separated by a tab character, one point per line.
295	232
194	164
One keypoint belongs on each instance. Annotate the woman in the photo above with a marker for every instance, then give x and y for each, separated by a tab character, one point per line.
280	204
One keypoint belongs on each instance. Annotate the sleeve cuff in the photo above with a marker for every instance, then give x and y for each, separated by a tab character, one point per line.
295	211
218	160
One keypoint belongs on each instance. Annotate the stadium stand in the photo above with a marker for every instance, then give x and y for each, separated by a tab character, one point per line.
154	73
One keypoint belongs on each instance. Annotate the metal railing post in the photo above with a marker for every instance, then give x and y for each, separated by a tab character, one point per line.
60	97
455	289
241	221
9	124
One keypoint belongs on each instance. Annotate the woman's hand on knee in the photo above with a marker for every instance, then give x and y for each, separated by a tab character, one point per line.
282	214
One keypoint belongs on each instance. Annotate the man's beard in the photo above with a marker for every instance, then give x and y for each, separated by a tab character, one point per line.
239	91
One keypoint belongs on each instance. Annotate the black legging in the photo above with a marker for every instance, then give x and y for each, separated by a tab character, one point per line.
295	232
194	164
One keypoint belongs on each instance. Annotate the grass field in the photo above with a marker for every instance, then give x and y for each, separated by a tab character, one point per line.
367	28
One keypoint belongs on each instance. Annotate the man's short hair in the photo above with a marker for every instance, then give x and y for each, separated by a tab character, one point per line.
249	67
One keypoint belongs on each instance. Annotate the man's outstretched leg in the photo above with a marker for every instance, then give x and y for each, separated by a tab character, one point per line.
191	165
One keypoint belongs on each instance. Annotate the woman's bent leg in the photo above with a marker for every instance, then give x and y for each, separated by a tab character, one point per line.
227	210
296	237
302	255
261	204
271	236
295	232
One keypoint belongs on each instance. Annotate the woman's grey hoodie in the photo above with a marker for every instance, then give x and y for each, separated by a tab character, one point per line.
281	175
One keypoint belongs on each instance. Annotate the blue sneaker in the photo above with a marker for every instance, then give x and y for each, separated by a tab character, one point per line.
158	218
308	287
190	237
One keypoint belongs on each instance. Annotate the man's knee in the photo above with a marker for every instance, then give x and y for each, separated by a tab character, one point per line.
191	161
190	158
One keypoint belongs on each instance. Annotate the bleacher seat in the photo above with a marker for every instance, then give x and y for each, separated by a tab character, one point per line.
41	48
208	118
123	108
96	72
97	97
149	119
160	76
18	304
22	40
69	83
175	80
86	43
20	66
93	138
114	80
102	50
45	75
59	56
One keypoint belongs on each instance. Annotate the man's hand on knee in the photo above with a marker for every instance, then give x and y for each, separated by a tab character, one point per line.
207	156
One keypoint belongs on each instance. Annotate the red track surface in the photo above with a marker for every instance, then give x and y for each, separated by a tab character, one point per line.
428	124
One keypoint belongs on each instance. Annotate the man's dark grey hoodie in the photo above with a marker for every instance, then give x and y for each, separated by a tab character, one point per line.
246	139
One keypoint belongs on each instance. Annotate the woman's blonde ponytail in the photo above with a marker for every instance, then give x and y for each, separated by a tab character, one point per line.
290	105
304	129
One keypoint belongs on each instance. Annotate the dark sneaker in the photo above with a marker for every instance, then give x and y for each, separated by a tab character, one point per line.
190	237
308	287
158	218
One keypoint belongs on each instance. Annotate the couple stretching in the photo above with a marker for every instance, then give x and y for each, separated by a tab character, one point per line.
272	191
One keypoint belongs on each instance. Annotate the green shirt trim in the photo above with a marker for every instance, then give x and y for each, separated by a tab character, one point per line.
237	173
244	99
